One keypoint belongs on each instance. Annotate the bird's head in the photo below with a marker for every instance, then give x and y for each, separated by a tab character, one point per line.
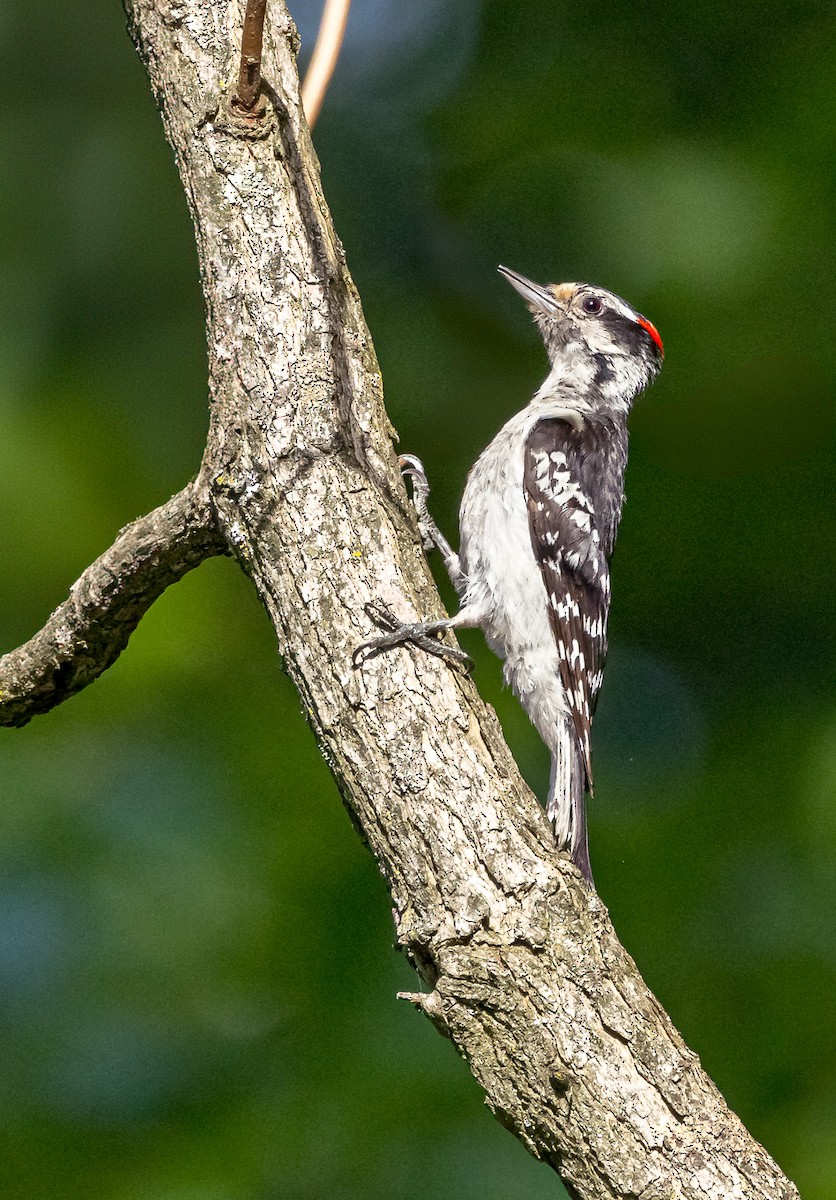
595	341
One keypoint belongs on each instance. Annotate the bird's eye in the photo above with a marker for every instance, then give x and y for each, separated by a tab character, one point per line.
592	305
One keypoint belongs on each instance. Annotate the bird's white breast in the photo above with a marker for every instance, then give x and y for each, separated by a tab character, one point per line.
504	582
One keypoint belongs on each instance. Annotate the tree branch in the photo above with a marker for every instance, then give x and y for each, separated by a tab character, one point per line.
525	972
91	628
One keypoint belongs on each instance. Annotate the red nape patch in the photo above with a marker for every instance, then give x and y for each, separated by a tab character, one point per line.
654	333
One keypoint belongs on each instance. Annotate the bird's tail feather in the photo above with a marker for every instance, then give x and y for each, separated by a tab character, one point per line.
566	805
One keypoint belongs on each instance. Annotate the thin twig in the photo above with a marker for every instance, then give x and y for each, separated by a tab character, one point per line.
329	40
249	72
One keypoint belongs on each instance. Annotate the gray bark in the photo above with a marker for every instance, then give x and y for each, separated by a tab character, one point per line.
524	970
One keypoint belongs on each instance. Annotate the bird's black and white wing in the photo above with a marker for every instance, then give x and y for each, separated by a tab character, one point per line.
567	547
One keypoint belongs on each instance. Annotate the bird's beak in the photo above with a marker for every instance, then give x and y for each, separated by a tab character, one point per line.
535	296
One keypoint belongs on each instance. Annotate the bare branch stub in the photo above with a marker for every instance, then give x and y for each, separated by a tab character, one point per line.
248	92
88	632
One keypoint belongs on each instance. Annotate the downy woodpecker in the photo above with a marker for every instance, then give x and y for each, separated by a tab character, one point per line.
538	523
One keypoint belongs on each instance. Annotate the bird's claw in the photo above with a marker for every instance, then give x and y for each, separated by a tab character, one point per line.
411	465
412	468
397	634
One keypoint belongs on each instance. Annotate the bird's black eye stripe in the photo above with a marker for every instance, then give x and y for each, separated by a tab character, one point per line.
625	332
592	305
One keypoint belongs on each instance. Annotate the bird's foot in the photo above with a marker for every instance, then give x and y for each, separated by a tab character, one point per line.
423	634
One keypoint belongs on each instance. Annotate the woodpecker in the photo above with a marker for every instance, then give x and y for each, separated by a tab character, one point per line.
538	522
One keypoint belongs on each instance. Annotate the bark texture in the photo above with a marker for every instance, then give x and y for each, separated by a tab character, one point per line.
525	972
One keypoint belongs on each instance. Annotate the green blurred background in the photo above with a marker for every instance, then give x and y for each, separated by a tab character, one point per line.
197	977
